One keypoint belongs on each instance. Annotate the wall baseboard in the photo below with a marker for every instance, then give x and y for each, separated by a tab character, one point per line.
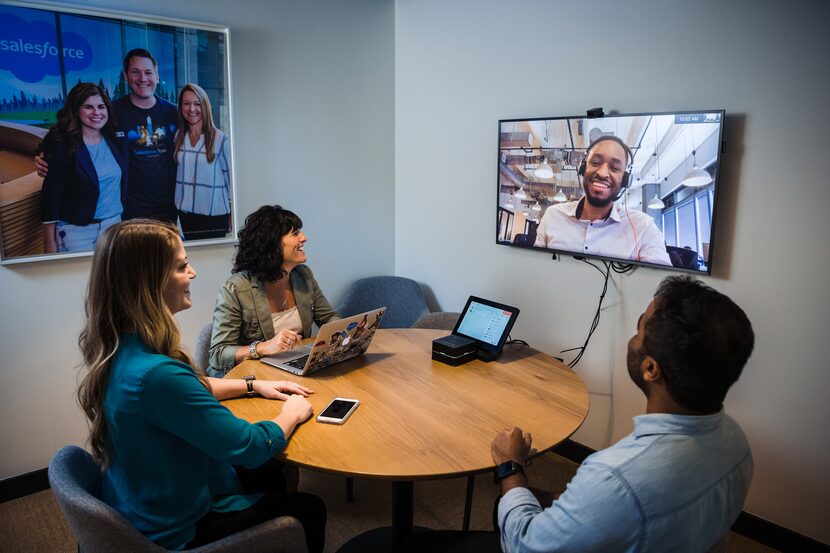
23	485
751	526
774	536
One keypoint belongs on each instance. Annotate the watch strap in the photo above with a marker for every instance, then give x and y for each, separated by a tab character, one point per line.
249	382
508	468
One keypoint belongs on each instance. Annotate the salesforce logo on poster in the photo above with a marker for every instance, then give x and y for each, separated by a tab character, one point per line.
30	52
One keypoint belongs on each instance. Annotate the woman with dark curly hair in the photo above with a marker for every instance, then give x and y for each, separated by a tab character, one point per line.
269	302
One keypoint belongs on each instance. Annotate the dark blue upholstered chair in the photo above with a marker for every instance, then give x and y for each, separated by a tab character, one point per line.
403	298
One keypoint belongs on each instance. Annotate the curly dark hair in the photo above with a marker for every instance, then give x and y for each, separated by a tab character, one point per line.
700	338
260	242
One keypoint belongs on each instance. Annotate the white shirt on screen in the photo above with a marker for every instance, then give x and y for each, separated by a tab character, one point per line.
627	235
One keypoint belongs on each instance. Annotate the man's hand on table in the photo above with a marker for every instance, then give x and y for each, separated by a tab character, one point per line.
511	444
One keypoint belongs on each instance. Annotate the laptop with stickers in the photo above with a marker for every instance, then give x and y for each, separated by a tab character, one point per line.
337	341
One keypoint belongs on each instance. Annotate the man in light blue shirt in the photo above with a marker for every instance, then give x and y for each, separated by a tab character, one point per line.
679	481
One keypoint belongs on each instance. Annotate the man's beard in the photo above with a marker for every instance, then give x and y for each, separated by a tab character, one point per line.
596	202
634	359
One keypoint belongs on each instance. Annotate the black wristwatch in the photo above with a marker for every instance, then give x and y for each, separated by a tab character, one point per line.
249	380
508	468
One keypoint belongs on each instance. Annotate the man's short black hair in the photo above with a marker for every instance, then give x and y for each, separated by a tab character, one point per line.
138	53
629	156
701	339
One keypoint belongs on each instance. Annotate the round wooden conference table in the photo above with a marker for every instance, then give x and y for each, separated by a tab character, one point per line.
419	419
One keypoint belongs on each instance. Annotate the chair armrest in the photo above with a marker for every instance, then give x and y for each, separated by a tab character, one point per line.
279	535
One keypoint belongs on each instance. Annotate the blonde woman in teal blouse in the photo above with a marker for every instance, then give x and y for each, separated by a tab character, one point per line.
167	445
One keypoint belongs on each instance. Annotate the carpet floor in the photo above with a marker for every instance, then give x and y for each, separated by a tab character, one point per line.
34	524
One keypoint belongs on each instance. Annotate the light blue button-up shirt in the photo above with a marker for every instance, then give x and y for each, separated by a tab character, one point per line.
677	483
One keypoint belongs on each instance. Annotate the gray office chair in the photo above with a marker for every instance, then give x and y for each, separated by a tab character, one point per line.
403	298
201	355
75	478
442	320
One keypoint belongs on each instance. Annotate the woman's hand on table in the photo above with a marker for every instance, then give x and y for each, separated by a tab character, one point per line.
283	341
280	389
296	410
299	407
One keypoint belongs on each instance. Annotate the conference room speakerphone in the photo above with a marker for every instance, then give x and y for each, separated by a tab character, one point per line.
480	333
453	350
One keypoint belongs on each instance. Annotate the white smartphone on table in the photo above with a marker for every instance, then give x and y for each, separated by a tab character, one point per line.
338	410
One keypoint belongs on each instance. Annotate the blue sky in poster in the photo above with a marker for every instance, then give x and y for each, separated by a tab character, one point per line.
15	24
105	38
92	51
30	49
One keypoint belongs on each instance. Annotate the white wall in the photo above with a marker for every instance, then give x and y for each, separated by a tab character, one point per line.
313	99
462	65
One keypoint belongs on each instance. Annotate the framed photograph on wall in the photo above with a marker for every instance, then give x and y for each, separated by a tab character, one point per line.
127	116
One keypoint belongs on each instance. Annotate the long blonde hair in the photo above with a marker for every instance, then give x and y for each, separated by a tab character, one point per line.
130	270
208	128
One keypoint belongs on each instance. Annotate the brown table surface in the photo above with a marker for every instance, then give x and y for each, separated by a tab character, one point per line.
421	419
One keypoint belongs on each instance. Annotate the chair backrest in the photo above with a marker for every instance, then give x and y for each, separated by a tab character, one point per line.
521	240
403	298
75	478
201	355
682	257
442	320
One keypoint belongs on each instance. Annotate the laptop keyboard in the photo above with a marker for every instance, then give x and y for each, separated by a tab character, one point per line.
297	363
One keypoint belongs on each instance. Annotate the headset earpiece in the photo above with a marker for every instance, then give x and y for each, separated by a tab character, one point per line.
626	178
624	182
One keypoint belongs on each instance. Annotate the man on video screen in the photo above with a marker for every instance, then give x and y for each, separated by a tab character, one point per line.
595	225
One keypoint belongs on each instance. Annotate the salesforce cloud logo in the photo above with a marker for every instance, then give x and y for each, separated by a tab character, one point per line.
30	50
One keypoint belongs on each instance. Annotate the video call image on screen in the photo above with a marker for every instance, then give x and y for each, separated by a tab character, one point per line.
651	201
484	323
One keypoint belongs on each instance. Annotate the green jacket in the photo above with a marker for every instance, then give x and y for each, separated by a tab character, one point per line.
242	313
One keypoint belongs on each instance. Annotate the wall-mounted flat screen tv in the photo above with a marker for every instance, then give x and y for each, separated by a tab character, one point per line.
638	189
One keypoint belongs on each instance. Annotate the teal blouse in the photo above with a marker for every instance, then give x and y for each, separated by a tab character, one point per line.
171	446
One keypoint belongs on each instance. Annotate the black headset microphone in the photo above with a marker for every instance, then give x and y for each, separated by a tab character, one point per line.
626	178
